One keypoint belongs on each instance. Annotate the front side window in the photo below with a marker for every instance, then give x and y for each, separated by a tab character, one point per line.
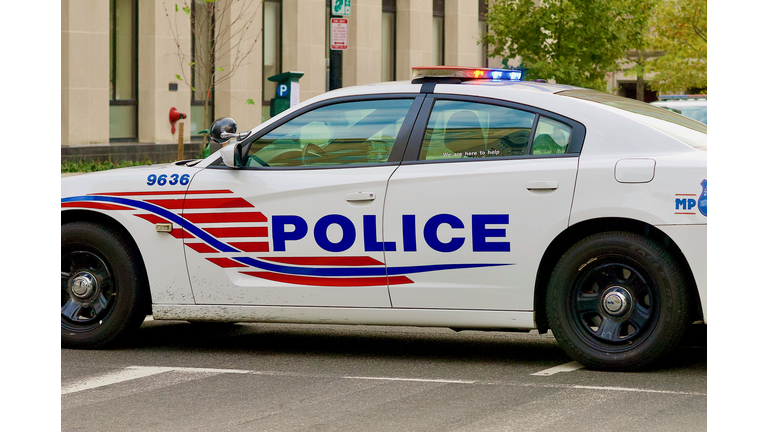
460	130
349	133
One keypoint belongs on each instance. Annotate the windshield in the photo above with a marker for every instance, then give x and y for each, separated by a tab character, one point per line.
668	122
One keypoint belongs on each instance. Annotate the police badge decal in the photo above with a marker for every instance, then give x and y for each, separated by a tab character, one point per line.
703	198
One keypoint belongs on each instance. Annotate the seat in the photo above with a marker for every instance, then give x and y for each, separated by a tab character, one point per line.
464	135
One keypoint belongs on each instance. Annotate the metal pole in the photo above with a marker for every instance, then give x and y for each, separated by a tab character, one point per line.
335	69
180	152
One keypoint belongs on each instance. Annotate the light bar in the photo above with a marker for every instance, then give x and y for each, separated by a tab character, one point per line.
466	73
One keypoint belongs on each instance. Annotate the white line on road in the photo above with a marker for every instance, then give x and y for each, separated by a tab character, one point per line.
444	381
567	367
127	374
135	372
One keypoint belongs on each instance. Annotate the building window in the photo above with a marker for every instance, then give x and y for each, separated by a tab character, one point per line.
388	16
327	45
202	41
482	30
438	32
123	72
271	49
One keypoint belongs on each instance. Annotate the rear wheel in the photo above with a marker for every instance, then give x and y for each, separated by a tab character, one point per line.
103	286
617	301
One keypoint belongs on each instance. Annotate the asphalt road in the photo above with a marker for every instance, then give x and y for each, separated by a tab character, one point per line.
177	376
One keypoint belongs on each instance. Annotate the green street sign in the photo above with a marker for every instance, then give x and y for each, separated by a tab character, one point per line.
341	7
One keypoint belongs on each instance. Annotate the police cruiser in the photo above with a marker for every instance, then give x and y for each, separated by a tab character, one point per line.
465	198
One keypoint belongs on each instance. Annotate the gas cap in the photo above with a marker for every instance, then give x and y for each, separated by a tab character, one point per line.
639	170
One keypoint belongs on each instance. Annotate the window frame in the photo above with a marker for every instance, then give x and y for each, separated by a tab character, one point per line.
395	156
416	139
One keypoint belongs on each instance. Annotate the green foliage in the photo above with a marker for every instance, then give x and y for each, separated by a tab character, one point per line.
680	29
574	42
97	165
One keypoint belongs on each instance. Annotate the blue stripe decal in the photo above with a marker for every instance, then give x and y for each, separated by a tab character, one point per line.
268	266
173	217
355	271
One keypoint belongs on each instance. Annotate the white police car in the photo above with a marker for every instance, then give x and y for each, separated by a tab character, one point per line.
465	199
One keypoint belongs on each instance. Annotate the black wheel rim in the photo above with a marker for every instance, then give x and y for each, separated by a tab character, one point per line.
88	290
613	304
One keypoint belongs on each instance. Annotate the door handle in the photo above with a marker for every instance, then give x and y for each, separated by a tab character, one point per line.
541	185
361	196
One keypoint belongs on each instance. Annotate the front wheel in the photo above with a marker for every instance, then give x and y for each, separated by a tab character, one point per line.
617	301
103	286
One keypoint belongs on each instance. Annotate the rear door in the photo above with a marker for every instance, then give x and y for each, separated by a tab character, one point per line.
484	188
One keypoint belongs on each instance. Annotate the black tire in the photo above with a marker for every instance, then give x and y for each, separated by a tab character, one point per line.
104	290
617	301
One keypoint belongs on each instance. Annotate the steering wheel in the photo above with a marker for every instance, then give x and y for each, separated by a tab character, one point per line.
514	143
311	152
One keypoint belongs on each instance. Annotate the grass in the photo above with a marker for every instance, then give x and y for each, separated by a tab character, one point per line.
90	166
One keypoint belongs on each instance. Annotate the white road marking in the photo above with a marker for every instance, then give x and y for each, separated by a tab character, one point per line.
567	367
136	372
127	374
443	381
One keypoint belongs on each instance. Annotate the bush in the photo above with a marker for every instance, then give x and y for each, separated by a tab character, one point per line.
90	166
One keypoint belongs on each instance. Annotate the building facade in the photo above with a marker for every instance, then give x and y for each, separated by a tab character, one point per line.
121	66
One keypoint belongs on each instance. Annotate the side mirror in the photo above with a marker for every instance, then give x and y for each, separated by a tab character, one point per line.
223	129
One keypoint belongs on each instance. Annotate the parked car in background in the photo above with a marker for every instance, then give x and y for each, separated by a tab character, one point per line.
693	106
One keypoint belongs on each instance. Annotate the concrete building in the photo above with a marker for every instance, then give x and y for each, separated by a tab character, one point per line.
120	62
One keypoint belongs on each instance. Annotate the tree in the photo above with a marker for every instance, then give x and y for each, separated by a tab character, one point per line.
570	41
680	29
220	30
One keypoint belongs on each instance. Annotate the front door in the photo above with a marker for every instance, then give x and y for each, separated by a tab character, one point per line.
301	224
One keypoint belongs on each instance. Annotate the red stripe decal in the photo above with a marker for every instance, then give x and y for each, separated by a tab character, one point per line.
178	192
321	281
152	218
225	217
181	234
202	203
225	262
95	205
201	248
685	213
251	246
326	261
238	232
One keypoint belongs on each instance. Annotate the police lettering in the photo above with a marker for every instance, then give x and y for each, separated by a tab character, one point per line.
487	233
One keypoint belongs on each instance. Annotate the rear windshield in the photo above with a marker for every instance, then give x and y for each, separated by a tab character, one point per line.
675	125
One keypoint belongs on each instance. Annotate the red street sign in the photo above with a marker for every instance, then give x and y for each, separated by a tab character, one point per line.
339	33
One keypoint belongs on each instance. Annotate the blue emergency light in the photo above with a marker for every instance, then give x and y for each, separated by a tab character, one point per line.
466	73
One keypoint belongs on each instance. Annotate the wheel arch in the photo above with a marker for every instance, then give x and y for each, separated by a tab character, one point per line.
107	221
584	229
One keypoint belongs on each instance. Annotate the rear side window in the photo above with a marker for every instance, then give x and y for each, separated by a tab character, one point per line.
462	130
552	137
